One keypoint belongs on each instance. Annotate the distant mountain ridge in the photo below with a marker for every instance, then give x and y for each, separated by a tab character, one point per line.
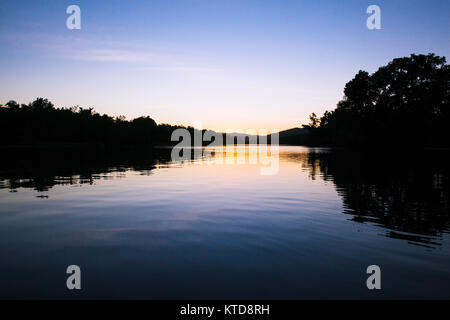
293	132
293	136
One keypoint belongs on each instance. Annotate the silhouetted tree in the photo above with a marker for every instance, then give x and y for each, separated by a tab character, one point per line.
404	102
12	104
39	122
41	104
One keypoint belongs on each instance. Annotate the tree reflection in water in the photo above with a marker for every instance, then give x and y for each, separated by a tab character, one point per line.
406	193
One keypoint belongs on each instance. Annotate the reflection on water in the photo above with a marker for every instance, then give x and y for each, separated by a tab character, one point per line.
41	170
219	229
406	194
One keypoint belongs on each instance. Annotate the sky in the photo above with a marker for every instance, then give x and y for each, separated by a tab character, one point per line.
227	65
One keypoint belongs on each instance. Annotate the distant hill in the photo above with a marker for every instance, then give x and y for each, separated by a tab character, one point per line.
293	132
293	136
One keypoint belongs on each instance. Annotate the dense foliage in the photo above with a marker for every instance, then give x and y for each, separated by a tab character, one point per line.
39	122
403	103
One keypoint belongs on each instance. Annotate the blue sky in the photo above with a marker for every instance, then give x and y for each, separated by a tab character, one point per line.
229	64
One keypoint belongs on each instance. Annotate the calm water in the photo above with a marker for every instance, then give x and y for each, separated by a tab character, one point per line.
140	226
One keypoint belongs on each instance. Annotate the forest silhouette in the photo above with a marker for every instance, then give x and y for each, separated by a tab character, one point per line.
40	122
405	103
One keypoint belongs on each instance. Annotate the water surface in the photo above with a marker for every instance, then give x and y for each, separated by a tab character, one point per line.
141	226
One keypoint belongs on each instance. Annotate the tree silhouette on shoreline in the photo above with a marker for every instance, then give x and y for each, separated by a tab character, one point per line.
406	102
40	122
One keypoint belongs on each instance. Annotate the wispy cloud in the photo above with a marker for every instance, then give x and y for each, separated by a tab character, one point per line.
111	55
80	47
85	48
199	69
